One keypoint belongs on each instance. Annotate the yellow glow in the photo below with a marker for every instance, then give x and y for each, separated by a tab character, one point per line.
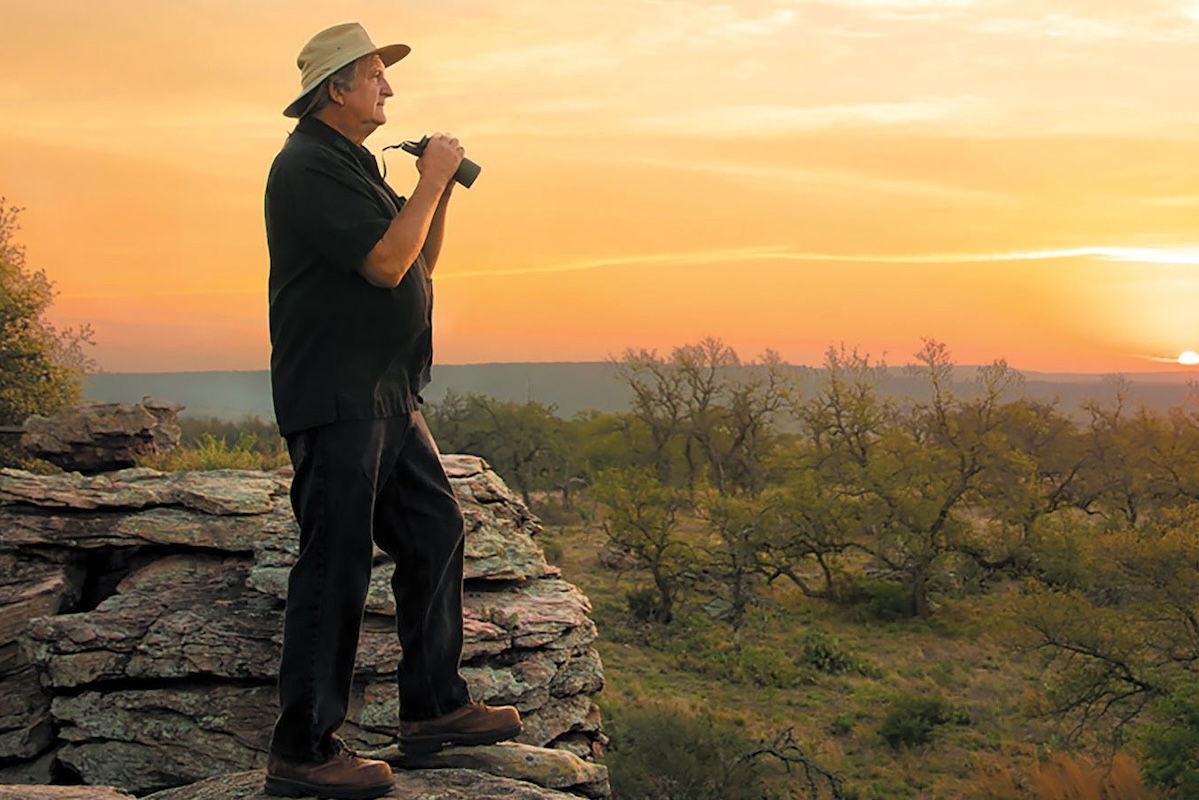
1190	358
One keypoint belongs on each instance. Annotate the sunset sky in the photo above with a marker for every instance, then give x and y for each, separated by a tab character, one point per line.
1015	178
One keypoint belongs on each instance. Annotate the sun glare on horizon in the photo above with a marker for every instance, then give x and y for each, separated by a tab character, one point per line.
1189	359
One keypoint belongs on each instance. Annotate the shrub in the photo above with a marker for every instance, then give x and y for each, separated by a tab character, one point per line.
913	718
826	654
709	652
211	452
661	753
879	599
1170	745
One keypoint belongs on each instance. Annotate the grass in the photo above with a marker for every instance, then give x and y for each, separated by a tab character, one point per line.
212	452
994	743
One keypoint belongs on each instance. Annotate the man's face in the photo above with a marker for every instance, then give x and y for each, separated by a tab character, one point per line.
365	100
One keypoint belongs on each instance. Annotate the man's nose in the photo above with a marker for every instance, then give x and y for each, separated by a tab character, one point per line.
387	92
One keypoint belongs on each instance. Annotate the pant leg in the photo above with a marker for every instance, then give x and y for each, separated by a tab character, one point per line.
419	523
333	496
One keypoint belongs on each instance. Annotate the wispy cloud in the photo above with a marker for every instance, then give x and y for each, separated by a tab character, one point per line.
1141	255
1078	28
901	5
767	120
792	179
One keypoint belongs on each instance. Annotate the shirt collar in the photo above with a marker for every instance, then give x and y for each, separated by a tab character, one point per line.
329	135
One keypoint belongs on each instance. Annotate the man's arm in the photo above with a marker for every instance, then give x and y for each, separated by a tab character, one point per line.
436	235
386	263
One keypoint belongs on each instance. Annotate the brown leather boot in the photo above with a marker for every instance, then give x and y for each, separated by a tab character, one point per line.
474	723
343	776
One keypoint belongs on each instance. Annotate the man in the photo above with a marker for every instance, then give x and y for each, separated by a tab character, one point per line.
351	345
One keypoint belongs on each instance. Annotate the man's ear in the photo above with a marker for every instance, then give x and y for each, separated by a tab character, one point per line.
335	94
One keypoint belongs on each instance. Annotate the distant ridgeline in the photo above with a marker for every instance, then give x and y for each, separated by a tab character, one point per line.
574	387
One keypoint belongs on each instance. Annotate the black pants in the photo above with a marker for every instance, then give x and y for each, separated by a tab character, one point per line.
358	481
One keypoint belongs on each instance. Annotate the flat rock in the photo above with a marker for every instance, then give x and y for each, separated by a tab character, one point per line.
549	614
28	792
142	740
177	617
190	615
534	682
221	491
26	527
553	769
559	717
439	784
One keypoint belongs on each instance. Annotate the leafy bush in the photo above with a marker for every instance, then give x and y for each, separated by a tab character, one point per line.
212	453
878	599
249	432
826	654
913	718
660	753
1170	745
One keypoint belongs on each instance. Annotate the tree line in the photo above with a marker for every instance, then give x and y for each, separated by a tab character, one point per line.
726	476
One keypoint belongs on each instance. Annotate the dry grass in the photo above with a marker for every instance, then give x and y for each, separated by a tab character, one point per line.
1064	777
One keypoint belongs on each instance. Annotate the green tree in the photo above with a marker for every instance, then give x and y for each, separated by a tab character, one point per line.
1125	635
41	367
642	516
704	404
1170	745
658	403
738	528
524	442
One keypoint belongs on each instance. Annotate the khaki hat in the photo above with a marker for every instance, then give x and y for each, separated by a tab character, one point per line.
332	49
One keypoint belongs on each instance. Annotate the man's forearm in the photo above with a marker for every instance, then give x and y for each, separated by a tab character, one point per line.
436	234
386	264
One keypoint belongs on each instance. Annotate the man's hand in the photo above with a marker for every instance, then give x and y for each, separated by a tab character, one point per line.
420	225
441	158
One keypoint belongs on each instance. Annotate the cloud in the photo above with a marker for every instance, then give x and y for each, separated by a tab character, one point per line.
901	5
769	120
1089	29
758	175
1183	256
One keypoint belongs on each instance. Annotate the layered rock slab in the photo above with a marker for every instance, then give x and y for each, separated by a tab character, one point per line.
180	637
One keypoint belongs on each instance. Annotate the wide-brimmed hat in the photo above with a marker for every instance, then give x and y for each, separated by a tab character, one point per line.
332	49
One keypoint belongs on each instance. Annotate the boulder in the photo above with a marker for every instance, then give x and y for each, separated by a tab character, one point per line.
96	437
141	625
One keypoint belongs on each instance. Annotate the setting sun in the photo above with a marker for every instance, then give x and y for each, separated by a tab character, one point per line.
1189	359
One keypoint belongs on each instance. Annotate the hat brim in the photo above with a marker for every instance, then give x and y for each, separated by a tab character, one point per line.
390	54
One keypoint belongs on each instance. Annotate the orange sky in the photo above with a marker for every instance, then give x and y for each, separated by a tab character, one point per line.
1015	178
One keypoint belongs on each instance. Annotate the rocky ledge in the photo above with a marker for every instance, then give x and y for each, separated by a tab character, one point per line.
140	626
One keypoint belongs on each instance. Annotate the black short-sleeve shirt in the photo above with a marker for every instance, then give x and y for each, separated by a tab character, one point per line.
341	348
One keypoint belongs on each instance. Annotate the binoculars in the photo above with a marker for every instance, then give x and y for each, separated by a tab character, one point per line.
467	170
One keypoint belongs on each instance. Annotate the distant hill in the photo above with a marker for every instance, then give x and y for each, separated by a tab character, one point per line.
572	387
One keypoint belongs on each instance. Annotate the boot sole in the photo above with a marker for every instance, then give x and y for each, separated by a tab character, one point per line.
281	787
431	743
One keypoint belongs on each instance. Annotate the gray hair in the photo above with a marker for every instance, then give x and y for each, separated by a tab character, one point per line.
342	79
